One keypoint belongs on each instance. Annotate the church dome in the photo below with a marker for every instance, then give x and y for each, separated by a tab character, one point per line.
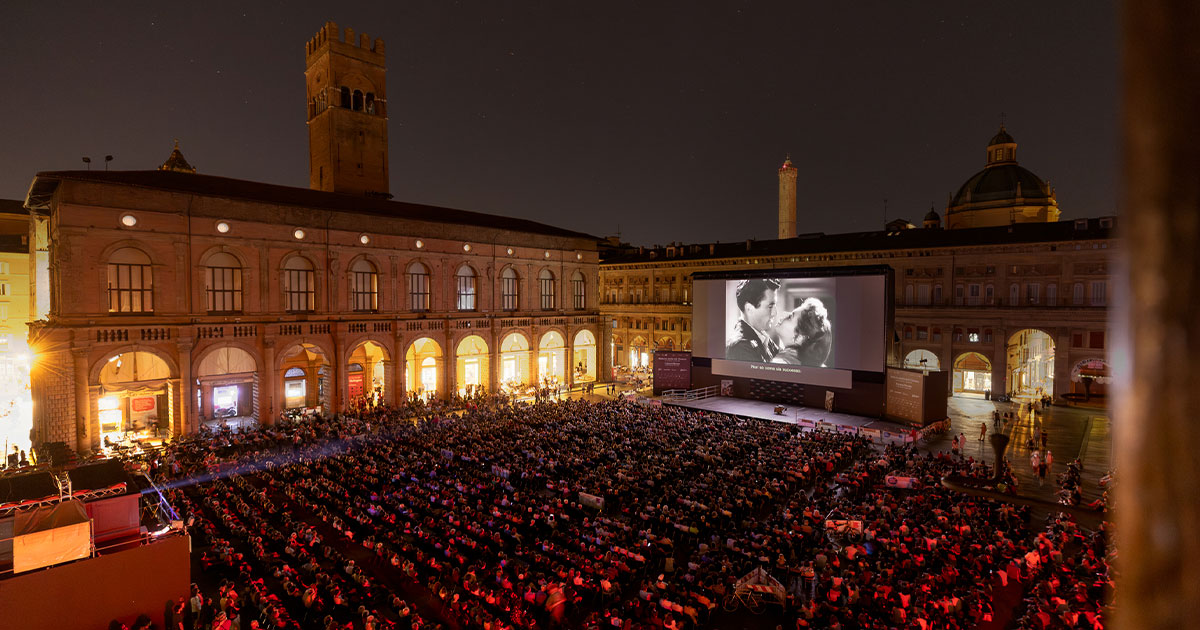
1002	182
1001	138
932	215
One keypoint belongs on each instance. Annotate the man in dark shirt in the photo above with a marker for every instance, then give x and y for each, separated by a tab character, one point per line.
749	339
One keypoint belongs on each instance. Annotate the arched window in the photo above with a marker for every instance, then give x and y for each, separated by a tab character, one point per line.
548	290
345	100
579	291
299	285
364	286
510	296
370	102
466	288
418	287
130	282
358	100
223	284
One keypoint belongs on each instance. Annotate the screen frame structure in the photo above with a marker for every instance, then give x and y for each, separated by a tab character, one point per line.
885	271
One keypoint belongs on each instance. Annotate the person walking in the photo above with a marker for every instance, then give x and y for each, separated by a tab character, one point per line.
982	430
954	445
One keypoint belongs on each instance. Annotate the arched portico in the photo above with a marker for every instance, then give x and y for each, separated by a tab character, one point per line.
552	358
583	357
424	360
132	395
515	365
972	374
471	364
922	359
306	376
1030	366
368	371
227	381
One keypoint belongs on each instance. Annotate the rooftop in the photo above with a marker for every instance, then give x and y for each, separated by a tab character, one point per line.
45	183
917	238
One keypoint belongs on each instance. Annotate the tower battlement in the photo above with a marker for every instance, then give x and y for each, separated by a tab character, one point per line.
331	35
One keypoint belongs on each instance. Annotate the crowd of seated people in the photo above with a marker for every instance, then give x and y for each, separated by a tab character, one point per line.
480	520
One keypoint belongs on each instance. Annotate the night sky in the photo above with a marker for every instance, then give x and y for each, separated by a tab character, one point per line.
665	120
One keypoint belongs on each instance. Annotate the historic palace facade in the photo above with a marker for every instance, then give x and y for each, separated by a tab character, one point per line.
171	297
1007	296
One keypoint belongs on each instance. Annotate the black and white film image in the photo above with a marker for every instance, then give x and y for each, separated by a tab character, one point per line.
780	320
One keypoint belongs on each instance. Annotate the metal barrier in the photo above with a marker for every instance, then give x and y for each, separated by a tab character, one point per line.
686	395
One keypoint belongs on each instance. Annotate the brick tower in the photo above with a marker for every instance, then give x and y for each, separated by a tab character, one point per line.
347	113
787	199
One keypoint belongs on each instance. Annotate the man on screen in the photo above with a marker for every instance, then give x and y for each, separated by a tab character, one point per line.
749	339
805	334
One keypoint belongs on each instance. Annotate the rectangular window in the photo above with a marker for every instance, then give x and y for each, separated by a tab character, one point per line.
973	336
1077	340
3	312
908	333
958	295
922	332
1077	294
1098	297
923	294
129	288
508	294
973	298
224	294
5	289
466	292
1052	295
1033	293
300	292
1014	294
418	291
578	290
1096	340
937	294
549	295
5	268
364	291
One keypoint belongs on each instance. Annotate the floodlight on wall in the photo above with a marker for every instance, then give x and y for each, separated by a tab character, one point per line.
420	243
223	227
364	239
298	234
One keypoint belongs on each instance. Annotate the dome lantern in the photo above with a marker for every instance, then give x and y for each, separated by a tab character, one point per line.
1002	148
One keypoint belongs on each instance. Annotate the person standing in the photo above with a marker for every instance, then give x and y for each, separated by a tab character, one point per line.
954	445
982	430
1035	462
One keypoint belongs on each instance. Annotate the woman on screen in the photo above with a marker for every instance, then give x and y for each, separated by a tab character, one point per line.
805	335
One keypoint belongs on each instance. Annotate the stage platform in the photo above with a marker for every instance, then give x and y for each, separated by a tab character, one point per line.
792	415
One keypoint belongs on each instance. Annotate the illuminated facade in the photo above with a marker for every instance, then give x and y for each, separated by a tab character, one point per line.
1008	297
173	297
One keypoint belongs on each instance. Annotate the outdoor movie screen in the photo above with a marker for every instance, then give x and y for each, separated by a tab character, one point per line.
812	326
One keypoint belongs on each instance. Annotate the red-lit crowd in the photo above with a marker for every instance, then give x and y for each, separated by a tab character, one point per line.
600	515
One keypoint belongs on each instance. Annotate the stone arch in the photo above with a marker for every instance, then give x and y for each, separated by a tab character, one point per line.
97	366
552	349
227	374
132	389
373	378
912	360
315	387
472	363
972	374
108	250
515	363
639	352
1029	364
222	249
584	356
424	359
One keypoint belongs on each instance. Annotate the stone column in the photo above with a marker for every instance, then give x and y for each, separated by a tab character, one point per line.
341	381
269	384
1062	362
87	431
399	369
188	422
